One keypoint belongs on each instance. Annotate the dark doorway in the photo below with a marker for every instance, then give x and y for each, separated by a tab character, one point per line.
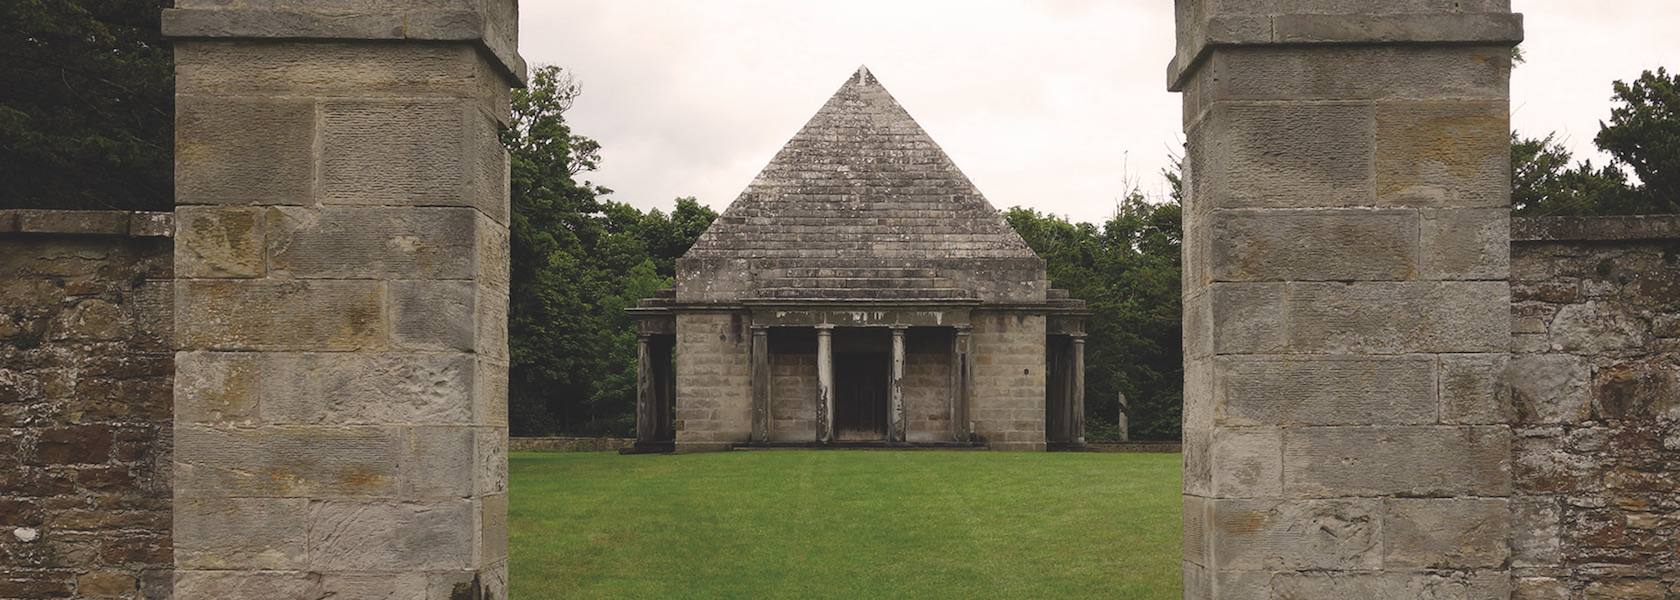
860	396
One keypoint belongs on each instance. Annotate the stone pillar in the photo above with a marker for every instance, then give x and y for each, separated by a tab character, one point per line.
895	388
341	302
1346	305
647	392
1076	392
761	383
825	383
962	382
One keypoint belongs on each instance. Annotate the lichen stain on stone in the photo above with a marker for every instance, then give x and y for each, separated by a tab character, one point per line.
362	480
1252	521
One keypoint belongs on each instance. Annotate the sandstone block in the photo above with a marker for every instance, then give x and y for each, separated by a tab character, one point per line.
335	315
1400	317
256	533
370	586
490	464
1410	461
225	241
493	536
1447	153
369	534
1551	388
1246	462
287	461
1285	156
1445	533
490	400
1325	390
1447	585
241	584
217	387
439	462
411	152
1313	245
216	163
1475	389
374	242
1378	72
1250	317
1194	542
1255	535
367	389
1597	327
1466	244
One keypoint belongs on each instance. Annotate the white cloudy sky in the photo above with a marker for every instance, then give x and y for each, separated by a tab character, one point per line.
1057	105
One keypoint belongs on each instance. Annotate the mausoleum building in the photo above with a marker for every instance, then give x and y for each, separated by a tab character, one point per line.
860	291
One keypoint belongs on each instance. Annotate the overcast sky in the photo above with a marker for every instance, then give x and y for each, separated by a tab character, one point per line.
1057	105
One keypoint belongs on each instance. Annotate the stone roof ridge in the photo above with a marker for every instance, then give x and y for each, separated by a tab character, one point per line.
861	180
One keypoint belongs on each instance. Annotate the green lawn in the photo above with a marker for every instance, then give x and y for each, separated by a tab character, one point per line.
859	524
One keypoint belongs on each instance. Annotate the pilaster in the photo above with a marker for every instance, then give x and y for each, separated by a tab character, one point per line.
341	299
1346	237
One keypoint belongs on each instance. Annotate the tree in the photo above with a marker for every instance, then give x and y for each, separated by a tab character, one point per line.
1644	134
578	262
87	96
1127	271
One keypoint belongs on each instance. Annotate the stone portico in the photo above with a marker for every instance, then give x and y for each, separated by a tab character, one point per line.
860	291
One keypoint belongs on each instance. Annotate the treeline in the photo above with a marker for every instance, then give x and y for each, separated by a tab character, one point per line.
1127	271
578	262
1642	138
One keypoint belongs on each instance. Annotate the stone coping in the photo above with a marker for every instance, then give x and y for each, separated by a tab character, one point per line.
1588	229
88	222
568	444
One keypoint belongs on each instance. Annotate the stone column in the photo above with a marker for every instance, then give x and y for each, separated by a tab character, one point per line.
825	383
895	388
1346	305
647	392
962	381
761	383
1076	392
341	302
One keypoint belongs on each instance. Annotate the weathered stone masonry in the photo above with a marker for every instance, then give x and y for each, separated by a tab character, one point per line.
341	298
1595	375
86	364
1346	298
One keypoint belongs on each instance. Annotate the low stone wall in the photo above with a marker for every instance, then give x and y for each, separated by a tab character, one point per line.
568	444
1595	374
86	372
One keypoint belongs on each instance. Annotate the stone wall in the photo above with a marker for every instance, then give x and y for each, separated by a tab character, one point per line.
714	373
1007	405
85	378
927	385
1595	376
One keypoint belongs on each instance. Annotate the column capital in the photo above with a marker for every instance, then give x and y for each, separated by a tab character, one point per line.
963	329
898	328
823	328
494	29
760	329
1200	30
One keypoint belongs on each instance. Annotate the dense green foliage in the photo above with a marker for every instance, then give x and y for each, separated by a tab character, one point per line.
87	97
578	262
825	524
1643	135
1127	271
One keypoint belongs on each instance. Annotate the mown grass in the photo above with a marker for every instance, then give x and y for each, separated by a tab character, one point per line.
860	524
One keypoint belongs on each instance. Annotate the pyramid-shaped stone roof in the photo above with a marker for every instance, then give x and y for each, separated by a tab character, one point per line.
861	204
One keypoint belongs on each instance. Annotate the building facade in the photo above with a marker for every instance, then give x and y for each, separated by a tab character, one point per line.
861	291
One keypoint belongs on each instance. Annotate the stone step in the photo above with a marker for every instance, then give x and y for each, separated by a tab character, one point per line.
862	272
863	294
855	282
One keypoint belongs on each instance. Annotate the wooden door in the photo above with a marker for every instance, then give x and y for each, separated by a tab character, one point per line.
860	396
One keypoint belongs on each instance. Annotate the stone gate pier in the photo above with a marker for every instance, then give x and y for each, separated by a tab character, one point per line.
341	298
1346	297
